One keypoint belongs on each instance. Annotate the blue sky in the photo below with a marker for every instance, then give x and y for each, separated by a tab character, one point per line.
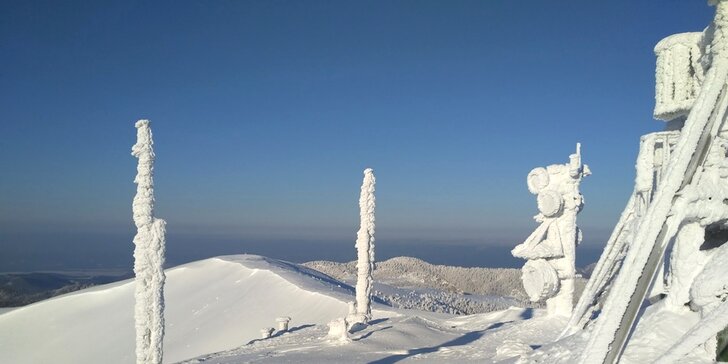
265	113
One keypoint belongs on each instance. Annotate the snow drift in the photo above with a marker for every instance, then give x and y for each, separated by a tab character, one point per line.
212	305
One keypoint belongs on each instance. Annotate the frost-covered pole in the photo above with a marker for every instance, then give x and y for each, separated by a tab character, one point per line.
365	248
148	254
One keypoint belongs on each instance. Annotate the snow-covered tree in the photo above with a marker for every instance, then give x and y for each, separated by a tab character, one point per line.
365	248
148	254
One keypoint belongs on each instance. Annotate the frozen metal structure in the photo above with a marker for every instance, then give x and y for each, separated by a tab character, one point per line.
665	262
365	251
550	249
149	250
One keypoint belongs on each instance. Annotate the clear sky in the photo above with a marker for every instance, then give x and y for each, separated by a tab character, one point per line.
265	114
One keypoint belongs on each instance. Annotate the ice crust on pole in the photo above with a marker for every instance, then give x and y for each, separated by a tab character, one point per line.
149	251
365	249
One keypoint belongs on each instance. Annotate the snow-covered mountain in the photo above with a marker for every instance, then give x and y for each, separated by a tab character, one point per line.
20	289
215	309
408	272
407	282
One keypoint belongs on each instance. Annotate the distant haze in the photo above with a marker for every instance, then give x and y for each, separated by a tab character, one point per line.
103	251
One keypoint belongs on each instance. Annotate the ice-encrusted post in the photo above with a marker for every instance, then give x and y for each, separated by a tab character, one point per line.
365	249
148	254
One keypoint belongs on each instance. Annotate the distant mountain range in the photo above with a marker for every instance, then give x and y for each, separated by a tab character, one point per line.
407	282
20	289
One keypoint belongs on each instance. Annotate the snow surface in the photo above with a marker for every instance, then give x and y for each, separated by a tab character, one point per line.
216	309
403	335
212	305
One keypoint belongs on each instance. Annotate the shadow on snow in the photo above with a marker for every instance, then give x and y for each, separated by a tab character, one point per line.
459	341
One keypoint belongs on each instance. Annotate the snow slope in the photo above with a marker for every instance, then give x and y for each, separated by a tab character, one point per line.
212	305
217	307
406	335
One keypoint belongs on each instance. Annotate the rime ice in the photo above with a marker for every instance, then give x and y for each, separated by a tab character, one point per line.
365	249
665	247
550	249
149	252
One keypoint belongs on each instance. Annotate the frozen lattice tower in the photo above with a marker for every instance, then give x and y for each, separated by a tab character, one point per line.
550	249
664	266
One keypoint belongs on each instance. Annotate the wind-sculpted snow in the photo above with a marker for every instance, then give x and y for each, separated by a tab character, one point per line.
405	336
211	305
219	305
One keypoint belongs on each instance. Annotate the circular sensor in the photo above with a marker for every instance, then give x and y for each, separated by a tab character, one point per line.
537	179
549	203
540	280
